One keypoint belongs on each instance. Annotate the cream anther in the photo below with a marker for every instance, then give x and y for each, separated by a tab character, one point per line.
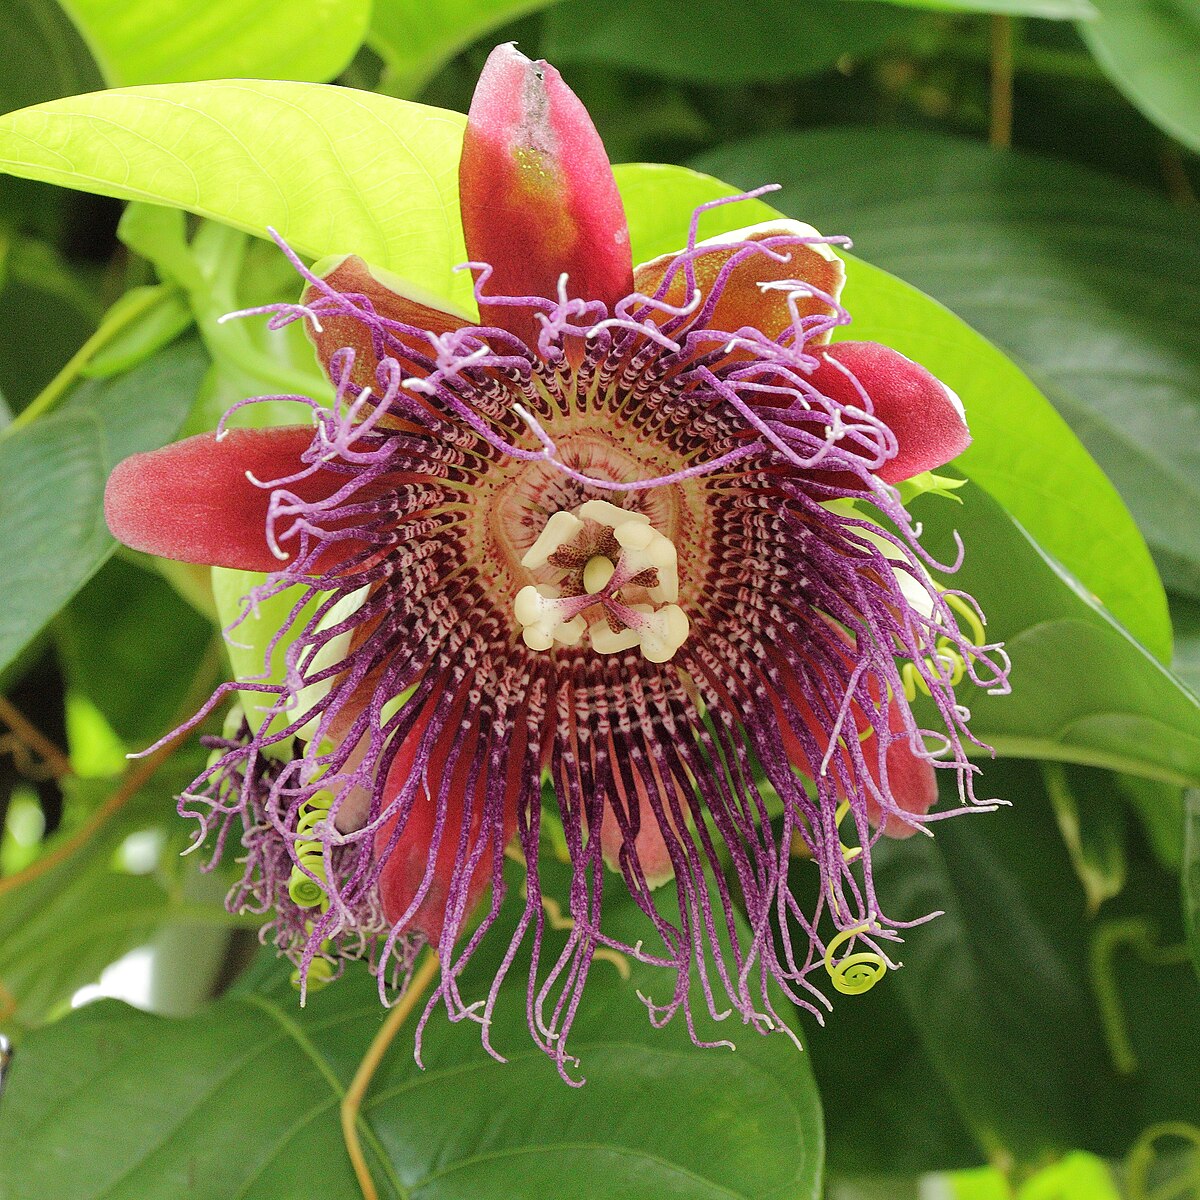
595	574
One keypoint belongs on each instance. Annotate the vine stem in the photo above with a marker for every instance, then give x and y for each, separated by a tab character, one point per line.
34	739
124	313
352	1101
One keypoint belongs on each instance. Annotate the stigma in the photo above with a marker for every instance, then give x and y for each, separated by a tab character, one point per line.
609	577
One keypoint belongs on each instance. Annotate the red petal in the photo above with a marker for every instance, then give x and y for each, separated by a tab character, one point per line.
391	297
649	846
192	501
537	192
743	302
925	415
406	862
912	781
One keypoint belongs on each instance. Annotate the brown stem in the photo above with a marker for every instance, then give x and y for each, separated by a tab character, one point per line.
352	1101
34	739
1001	125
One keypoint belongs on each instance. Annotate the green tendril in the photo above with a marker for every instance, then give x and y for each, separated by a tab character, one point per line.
1144	1154
946	655
857	972
306	883
1141	935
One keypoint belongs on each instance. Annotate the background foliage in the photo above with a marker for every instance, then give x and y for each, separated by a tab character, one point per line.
1030	166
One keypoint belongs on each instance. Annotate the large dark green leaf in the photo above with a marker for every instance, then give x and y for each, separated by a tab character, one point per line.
1150	49
994	983
53	60
243	1101
1087	281
704	40
54	470
1191	872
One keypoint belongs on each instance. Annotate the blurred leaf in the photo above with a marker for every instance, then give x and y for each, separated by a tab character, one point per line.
1077	1176
133	646
994	982
991	985
53	61
1191	872
1086	280
332	169
48	314
54	472
1151	51
1094	830
1160	808
144	408
262	1079
51	511
77	914
173	41
1054	10
704	41
1023	453
1185	615
415	38
156	327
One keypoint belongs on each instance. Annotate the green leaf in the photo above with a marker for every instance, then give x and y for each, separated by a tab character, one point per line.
244	1101
1084	690
132	646
54	471
1084	279
703	41
1191	872
1149	49
53	60
50	509
332	169
1023	453
993	983
174	41
155	327
415	39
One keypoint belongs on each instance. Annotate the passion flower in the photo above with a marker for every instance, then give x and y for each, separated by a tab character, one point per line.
633	534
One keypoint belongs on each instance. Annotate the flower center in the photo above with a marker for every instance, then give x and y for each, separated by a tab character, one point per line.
608	575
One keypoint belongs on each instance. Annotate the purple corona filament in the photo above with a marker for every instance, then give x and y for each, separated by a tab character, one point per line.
401	652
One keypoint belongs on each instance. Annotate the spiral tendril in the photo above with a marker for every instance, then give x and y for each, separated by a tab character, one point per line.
857	972
947	661
305	890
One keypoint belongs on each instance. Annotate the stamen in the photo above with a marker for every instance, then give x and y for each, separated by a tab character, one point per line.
590	598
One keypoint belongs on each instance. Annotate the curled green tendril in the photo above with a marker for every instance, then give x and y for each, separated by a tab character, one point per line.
947	660
305	890
1141	935
858	972
849	853
1144	1154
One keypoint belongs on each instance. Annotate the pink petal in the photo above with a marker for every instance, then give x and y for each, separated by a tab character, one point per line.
537	192
192	500
925	415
